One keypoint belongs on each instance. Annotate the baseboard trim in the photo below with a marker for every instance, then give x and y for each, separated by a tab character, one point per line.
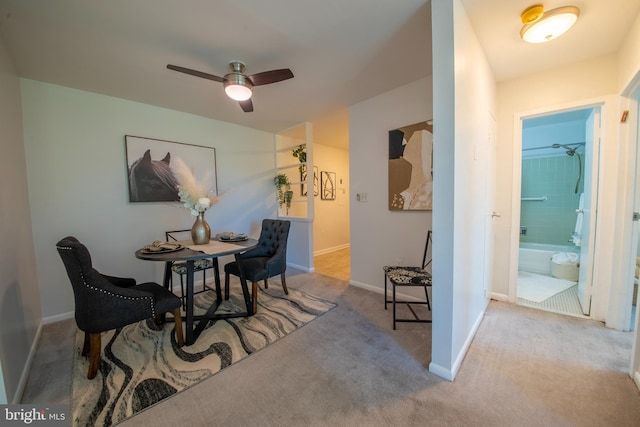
450	374
467	343
301	268
378	290
17	397
499	297
441	371
333	249
366	286
58	317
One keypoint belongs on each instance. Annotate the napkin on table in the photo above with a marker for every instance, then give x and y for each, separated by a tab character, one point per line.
159	246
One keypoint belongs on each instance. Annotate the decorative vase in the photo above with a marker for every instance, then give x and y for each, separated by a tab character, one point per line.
200	232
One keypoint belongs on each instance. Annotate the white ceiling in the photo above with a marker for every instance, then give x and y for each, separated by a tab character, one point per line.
600	30
341	52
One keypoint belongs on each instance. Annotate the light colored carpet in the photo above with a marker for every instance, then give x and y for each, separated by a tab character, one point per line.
537	288
142	365
524	368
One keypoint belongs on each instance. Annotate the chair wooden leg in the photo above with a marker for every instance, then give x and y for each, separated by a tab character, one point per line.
87	346
254	296
284	284
177	317
266	284
226	286
94	357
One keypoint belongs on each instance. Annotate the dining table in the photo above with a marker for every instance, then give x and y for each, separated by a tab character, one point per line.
189	253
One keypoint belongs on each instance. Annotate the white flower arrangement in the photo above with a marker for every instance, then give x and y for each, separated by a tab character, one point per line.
194	195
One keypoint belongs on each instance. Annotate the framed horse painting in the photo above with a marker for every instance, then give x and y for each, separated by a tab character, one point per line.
149	174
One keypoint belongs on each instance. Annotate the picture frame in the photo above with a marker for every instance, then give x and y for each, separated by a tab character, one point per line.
327	185
303	178
411	167
149	174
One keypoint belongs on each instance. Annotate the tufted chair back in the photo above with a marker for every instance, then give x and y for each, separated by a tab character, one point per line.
267	259
272	244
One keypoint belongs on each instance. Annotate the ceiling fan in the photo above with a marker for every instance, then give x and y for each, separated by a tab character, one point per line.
237	85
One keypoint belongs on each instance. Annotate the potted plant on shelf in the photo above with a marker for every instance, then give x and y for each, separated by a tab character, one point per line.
300	154
284	190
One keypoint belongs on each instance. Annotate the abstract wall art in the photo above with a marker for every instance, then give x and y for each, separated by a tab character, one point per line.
411	167
327	185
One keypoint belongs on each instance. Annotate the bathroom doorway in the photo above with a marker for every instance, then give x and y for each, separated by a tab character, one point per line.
559	166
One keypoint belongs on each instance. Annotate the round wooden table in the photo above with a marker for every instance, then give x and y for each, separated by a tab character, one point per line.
214	250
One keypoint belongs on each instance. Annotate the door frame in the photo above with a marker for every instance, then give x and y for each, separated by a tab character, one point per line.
630	135
600	103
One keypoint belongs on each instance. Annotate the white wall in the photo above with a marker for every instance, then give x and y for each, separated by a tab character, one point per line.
585	82
331	217
464	104
379	236
20	312
75	154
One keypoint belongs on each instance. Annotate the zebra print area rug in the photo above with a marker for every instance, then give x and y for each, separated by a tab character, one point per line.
142	365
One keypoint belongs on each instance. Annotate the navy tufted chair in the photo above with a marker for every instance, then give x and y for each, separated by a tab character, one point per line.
105	302
267	259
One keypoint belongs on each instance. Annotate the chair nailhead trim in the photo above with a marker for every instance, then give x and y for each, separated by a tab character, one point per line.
93	288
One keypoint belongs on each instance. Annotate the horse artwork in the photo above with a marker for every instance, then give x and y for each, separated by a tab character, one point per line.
152	180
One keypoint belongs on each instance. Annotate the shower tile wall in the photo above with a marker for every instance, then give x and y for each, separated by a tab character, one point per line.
551	221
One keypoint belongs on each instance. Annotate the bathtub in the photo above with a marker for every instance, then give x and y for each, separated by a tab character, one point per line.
536	257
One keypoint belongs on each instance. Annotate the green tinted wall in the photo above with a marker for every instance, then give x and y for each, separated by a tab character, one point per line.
551	221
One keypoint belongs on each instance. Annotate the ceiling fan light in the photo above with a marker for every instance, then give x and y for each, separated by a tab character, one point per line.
551	25
237	92
237	87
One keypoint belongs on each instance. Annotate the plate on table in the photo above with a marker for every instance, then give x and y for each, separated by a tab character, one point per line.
158	247
228	236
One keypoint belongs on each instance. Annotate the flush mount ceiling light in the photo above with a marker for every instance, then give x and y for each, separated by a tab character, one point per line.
540	26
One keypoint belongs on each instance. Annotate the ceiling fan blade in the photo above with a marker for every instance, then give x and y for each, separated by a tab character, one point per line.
272	76
194	73
247	106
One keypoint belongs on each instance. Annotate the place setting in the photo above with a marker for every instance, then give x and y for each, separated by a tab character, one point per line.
229	236
161	247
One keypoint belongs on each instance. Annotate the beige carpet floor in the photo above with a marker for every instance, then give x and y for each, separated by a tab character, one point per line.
525	367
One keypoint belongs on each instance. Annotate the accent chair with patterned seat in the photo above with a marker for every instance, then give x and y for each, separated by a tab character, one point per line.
180	267
409	276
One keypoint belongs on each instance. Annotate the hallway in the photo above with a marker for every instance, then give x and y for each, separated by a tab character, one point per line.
335	264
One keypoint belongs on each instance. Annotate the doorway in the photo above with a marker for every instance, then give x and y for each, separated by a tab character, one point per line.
559	167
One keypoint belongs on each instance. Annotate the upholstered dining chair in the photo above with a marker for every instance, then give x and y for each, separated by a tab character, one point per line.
103	303
410	276
267	259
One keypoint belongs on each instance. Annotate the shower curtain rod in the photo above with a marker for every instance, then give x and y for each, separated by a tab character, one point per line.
577	144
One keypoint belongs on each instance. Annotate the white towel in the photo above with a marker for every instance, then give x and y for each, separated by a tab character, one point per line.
577	233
